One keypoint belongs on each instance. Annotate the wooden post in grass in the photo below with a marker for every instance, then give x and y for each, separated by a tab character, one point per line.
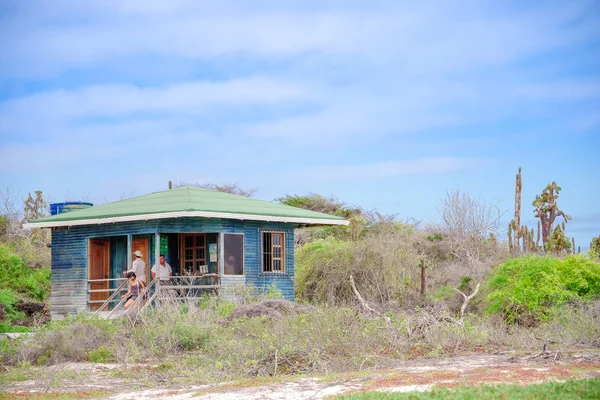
423	279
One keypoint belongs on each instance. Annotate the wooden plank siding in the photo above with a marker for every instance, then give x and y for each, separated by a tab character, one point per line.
70	256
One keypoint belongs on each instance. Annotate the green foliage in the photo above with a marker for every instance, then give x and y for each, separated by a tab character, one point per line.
191	338
314	262
546	209
273	293
526	290
8	301
569	390
100	355
435	237
318	203
17	277
558	242
384	263
443	293
465	282
6	327
73	338
196	344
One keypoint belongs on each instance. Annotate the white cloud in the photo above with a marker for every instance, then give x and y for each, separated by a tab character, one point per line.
419	38
286	77
62	107
388	169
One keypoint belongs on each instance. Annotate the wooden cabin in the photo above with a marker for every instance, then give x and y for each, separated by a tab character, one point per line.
233	240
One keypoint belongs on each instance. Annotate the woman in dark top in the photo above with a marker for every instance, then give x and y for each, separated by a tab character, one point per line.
136	288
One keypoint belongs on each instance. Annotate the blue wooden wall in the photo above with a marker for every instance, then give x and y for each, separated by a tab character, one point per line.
70	256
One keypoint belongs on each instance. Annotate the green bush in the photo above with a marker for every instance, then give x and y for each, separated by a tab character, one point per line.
315	263
527	290
383	263
19	278
9	300
6	327
100	355
71	339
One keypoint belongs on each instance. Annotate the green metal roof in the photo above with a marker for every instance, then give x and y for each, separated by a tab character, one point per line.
187	201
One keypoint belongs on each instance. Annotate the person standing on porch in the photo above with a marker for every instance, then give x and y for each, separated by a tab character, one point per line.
136	288
162	270
138	267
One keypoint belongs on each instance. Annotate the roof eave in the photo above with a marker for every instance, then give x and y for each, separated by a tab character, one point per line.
180	214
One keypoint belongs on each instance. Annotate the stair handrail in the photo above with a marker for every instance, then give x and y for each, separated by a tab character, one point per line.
112	296
146	290
124	299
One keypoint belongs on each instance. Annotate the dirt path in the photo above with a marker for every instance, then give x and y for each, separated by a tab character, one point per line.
409	376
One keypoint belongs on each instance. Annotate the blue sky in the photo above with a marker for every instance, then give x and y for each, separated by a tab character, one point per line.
385	105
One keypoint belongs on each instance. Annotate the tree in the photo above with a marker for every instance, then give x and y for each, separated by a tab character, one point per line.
11	214
467	223
36	208
546	209
331	205
315	202
231	188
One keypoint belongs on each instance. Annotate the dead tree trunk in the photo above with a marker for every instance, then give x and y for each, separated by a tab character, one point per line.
423	280
466	299
362	301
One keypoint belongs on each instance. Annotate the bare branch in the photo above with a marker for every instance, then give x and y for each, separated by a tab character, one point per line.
467	299
363	302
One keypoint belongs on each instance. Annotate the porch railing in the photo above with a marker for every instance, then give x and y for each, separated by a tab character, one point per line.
179	288
112	291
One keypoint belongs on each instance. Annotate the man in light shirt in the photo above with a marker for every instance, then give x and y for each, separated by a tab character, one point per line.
162	270
138	267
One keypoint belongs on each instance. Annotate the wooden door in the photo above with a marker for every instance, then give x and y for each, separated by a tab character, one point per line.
99	268
141	244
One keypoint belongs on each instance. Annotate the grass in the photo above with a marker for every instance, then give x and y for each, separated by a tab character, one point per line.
572	389
81	394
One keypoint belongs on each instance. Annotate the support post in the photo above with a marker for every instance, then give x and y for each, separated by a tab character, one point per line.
221	256
423	279
129	252
156	251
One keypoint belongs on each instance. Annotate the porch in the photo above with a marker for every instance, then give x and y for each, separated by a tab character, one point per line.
179	289
194	258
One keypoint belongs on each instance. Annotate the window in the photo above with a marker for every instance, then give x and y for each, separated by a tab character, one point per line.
233	251
193	253
273	252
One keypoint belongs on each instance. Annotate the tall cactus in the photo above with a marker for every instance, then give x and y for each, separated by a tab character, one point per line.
547	210
517	219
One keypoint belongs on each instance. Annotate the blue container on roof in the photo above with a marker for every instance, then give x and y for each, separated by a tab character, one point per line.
68	206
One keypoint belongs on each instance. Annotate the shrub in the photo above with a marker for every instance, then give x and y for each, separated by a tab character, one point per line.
527	290
320	268
16	276
71	339
384	263
100	355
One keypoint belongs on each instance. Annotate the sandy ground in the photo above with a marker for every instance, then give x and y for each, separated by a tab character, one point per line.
416	375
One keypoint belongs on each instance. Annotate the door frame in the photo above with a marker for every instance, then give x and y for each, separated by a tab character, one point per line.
145	254
106	272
